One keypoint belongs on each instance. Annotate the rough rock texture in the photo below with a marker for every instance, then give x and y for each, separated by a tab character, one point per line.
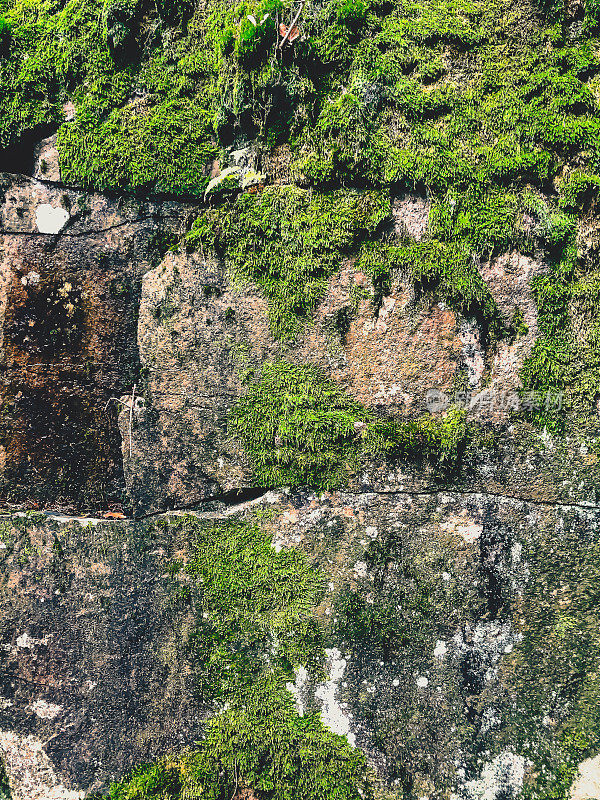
422	613
119	303
69	307
93	650
119	362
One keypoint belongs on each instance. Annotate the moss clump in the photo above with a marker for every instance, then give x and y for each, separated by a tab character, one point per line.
163	145
261	744
121	20
135	125
256	608
446	269
289	241
298	428
255	616
578	190
563	370
5	36
5	793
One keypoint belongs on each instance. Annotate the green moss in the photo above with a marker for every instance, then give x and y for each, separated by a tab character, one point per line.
256	608
121	20
260	743
435	266
564	366
288	242
298	428
578	190
164	146
374	93
5	36
5	793
553	672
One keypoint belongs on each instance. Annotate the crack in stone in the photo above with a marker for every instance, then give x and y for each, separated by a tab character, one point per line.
95	232
277	495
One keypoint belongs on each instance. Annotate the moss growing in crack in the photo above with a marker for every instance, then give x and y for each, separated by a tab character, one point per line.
259	745
299	428
289	241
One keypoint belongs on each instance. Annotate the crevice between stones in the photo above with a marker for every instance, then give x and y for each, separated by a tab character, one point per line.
238	500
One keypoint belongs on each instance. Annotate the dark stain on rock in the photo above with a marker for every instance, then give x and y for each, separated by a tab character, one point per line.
45	319
69	352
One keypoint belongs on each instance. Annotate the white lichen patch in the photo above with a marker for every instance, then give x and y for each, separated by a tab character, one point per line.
298	688
45	710
461	525
31	774
360	568
332	713
422	682
440	650
473	352
31	279
411	216
586	785
27	642
50	219
500	778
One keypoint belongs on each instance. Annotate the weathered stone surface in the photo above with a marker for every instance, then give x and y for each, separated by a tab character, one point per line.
423	618
196	336
46	165
93	659
32	776
119	363
68	307
120	305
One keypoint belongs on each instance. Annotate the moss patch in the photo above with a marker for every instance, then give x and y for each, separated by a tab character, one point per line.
289	241
444	269
260	744
164	145
5	793
254	608
298	428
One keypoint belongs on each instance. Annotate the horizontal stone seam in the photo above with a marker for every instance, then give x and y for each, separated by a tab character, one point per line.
232	508
95	232
151	197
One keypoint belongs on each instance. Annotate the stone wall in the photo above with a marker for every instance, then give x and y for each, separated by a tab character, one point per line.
445	594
